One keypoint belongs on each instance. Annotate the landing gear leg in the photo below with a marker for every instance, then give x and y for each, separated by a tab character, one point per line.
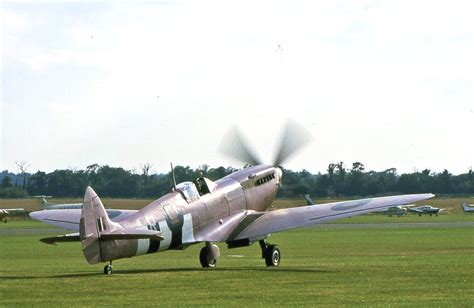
271	253
108	269
209	254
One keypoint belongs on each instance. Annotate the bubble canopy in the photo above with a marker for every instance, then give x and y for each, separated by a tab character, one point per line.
189	191
193	190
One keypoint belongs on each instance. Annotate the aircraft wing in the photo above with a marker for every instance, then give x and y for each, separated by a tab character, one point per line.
13	210
258	224
69	219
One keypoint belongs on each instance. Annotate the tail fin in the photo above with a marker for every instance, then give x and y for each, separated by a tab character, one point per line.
94	221
43	202
309	201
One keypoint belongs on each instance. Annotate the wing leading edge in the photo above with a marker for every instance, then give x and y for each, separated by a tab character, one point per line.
306	216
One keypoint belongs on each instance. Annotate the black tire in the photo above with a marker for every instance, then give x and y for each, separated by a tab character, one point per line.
108	269
203	258
272	255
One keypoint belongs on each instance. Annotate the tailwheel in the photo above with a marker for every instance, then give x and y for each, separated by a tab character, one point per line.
271	253
208	255
108	269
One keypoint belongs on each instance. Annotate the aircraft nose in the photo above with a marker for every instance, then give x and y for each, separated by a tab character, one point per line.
37	215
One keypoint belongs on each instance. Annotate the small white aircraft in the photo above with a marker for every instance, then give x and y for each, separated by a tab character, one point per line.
5	212
45	205
425	209
468	207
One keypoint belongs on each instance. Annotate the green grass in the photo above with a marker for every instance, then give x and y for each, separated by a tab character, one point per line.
25	223
333	267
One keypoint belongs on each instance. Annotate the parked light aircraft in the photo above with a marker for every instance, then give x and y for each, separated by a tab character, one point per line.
74	212
425	209
398	210
114	214
468	208
5	212
45	205
232	210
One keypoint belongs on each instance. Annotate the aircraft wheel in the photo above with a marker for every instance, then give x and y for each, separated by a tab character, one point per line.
205	262
108	269
272	255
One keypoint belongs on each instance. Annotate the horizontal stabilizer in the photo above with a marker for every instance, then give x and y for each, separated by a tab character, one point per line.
71	237
135	235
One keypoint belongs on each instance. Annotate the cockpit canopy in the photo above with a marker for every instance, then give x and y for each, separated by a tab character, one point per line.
204	185
192	190
188	190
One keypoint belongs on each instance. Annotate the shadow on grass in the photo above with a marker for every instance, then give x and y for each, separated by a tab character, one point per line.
274	271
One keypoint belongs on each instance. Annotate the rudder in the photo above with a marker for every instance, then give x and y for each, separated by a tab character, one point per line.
94	221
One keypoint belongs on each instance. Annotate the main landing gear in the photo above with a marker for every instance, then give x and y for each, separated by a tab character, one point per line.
271	253
108	269
209	254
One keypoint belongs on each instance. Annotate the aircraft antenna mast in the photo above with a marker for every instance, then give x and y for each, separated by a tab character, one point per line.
174	179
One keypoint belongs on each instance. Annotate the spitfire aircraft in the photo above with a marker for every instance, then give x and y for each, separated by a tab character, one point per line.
232	210
425	209
5	212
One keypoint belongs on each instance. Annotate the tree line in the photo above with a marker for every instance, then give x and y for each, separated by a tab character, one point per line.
338	181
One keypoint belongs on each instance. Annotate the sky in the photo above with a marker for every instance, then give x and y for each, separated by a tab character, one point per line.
385	83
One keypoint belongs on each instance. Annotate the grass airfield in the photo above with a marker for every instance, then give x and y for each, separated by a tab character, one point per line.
429	266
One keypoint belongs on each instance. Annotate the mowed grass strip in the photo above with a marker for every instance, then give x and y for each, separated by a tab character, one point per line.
453	212
333	267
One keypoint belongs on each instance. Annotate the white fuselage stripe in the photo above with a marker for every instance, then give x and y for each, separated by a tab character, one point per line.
188	235
142	247
166	233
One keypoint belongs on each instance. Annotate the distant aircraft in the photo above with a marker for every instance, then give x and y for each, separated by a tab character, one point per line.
425	209
45	205
232	210
71	213
5	212
398	210
468	207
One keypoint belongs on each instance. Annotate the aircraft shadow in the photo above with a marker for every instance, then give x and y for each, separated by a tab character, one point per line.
274	271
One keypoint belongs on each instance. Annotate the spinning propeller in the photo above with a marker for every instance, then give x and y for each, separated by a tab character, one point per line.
293	138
